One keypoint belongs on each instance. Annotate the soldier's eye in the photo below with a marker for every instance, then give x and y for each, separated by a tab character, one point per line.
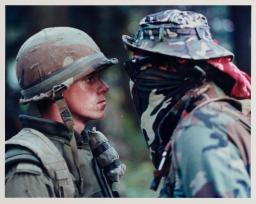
90	79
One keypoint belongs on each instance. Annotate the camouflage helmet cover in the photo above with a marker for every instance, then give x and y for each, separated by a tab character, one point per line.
183	34
56	56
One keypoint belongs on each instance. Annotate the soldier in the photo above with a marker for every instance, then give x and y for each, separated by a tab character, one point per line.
58	70
193	104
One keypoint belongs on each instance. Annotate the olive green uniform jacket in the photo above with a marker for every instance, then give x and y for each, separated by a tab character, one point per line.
29	179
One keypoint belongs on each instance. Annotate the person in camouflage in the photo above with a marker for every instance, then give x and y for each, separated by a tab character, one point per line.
59	70
193	104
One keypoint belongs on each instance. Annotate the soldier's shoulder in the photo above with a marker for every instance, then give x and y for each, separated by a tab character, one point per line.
202	125
29	168
27	180
21	159
212	115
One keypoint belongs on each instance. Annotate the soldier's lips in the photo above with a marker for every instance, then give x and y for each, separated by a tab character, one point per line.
102	101
102	104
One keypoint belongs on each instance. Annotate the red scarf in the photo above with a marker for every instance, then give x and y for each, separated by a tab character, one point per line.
242	86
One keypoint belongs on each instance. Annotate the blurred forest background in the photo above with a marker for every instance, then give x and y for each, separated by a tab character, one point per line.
230	25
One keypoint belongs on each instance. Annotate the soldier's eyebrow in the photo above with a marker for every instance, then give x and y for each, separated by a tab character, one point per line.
89	75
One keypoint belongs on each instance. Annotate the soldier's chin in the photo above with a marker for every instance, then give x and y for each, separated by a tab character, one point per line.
99	115
96	115
102	115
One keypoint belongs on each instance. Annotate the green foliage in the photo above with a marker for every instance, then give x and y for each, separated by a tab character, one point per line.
134	140
137	180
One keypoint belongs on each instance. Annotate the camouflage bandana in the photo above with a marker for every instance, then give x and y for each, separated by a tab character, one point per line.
159	100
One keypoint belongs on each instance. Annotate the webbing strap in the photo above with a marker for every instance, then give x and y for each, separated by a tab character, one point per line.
67	119
65	113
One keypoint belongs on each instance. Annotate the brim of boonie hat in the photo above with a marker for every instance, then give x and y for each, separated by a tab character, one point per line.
190	48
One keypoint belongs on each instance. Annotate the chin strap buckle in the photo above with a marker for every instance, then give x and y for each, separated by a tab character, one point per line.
57	91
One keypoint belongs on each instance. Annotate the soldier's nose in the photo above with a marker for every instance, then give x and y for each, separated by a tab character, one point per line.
103	87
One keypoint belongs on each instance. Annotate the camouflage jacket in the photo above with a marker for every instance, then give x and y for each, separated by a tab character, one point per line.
211	153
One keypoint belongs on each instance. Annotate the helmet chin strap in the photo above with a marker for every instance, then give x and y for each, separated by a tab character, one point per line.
66	116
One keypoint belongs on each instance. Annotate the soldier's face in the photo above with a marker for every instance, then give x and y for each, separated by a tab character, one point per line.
86	98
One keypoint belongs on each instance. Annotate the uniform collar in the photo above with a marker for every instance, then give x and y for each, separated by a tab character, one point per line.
49	127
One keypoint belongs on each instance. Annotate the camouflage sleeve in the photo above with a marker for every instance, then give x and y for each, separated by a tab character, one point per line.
208	164
27	180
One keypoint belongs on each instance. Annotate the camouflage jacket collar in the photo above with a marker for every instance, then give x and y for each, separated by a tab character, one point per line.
194	97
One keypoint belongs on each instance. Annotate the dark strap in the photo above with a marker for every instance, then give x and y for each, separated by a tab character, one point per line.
67	119
104	185
114	164
65	113
100	149
16	154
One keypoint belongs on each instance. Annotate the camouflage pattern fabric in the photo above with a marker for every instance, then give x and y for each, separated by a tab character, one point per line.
54	58
186	35
158	99
176	33
195	140
207	163
106	155
211	146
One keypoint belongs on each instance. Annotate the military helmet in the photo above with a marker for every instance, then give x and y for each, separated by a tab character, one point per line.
183	34
54	58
